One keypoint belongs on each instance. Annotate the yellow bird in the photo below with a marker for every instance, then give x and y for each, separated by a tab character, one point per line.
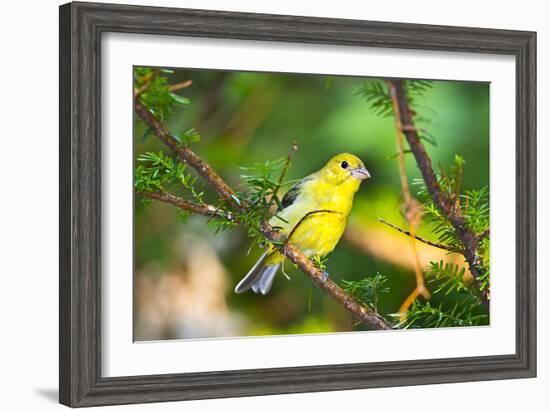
316	210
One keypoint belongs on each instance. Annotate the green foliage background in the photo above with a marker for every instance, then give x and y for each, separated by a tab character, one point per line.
245	118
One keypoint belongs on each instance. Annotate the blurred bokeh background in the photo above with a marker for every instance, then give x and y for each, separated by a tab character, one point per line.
185	272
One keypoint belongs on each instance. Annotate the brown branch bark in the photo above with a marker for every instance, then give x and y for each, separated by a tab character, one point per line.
185	154
448	207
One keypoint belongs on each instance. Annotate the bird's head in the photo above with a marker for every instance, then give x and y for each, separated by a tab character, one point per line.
345	168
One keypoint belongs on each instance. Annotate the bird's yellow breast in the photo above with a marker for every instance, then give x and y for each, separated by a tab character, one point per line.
319	233
317	219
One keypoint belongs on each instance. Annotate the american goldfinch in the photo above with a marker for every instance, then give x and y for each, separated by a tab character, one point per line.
313	218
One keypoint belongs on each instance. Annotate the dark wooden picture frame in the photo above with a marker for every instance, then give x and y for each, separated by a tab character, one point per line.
81	28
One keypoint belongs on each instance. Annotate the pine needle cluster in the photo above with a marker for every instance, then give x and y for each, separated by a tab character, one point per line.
367	290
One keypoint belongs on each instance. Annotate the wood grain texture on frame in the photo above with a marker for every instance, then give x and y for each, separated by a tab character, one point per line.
81	26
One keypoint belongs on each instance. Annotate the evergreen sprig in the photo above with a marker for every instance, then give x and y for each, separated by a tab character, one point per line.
156	96
367	290
320	262
377	95
425	315
222	224
158	172
476	209
448	277
262	183
187	137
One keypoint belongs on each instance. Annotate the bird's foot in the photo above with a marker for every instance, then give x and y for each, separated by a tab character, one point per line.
324	276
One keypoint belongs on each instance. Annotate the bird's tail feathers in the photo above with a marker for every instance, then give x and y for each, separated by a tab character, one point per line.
264	282
259	278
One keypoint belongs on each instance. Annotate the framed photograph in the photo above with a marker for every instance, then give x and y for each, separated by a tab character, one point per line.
262	204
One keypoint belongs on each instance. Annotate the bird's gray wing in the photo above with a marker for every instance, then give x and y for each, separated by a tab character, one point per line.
292	193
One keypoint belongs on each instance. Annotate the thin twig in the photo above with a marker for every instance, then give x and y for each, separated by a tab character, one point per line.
413	211
145	85
141	90
445	204
434	244
180	86
201	209
172	88
293	149
363	313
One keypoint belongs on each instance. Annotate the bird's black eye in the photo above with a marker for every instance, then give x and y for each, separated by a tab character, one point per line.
344	164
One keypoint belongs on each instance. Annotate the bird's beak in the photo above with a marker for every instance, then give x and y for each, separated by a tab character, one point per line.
360	173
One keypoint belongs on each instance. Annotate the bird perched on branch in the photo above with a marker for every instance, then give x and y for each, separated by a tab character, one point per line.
313	217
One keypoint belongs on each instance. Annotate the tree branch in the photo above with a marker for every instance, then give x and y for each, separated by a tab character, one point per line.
185	154
448	207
